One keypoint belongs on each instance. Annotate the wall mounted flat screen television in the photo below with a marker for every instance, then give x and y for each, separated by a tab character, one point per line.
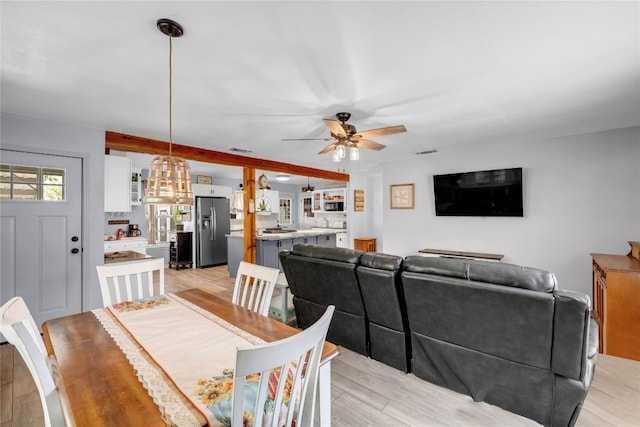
483	193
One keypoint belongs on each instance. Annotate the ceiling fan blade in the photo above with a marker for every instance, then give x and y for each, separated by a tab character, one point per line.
307	139
363	143
327	148
373	133
335	127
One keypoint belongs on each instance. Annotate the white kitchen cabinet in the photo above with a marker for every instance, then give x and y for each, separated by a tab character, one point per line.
136	187
211	190
333	200
136	244
267	202
341	240
117	184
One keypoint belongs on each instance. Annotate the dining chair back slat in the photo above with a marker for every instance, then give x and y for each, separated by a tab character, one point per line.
131	280
254	287
19	328
289	371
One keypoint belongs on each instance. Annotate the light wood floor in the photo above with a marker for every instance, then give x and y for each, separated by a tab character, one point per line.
365	392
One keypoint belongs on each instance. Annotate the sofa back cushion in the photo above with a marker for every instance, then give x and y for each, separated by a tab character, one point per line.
504	321
325	276
381	286
498	273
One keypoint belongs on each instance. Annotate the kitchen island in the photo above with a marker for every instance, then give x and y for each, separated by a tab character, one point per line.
269	245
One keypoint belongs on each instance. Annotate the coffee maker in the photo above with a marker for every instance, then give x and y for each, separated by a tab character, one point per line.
134	231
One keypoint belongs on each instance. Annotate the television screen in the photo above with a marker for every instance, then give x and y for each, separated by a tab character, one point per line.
482	193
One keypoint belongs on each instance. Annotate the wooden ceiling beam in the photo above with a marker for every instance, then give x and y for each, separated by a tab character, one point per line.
138	144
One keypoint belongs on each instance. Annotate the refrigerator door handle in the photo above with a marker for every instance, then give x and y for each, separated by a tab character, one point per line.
213	229
215	224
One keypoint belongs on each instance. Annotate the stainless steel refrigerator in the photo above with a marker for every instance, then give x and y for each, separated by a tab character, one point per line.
212	224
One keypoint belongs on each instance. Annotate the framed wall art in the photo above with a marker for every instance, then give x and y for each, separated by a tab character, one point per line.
402	196
204	179
358	200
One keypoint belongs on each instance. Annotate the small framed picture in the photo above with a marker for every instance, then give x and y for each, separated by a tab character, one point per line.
402	196
358	200
204	179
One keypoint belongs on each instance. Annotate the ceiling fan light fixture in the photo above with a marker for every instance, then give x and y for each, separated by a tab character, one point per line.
336	156
341	151
169	181
354	153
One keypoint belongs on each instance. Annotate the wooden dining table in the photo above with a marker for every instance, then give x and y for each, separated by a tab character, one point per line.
100	386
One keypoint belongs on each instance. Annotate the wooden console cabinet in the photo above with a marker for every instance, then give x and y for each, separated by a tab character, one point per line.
367	244
180	251
616	302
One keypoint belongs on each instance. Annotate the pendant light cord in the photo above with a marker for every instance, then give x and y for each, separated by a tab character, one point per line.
170	96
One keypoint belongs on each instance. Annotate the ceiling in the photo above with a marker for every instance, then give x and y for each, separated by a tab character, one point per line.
248	74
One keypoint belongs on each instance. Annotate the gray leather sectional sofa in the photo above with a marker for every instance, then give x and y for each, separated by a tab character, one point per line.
500	333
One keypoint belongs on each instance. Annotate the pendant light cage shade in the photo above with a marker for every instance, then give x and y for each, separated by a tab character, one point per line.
169	182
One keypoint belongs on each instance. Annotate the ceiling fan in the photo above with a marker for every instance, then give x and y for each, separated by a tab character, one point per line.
345	136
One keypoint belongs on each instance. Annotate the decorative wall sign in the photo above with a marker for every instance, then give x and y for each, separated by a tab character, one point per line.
402	196
358	200
204	179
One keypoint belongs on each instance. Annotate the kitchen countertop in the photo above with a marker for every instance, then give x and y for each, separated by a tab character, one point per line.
124	256
291	235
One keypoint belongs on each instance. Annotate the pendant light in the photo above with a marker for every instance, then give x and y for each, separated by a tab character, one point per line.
308	188
169	181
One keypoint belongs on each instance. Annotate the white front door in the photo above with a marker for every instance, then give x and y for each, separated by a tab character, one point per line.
41	240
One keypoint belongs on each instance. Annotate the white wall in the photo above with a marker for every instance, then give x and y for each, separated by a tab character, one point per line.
581	195
42	136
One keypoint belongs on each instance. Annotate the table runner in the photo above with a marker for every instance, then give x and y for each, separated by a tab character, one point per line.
192	347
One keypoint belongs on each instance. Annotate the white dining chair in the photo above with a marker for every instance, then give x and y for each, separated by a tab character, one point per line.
127	281
19	328
289	370
254	287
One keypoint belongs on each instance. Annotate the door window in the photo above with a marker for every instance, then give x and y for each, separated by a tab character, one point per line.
18	182
285	211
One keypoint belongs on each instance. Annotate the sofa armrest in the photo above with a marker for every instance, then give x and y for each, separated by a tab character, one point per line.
573	338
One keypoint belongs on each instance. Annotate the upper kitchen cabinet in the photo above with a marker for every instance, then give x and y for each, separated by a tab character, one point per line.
136	187
117	184
267	202
211	190
333	200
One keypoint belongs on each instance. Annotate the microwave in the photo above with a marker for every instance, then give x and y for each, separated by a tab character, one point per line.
333	206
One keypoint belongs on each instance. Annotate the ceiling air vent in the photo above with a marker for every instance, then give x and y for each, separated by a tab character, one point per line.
239	150
420	153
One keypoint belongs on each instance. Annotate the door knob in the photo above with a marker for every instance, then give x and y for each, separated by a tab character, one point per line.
75	250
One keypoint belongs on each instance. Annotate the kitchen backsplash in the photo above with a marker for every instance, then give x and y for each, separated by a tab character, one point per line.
325	220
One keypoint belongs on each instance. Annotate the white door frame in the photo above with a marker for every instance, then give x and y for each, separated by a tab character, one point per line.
88	267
